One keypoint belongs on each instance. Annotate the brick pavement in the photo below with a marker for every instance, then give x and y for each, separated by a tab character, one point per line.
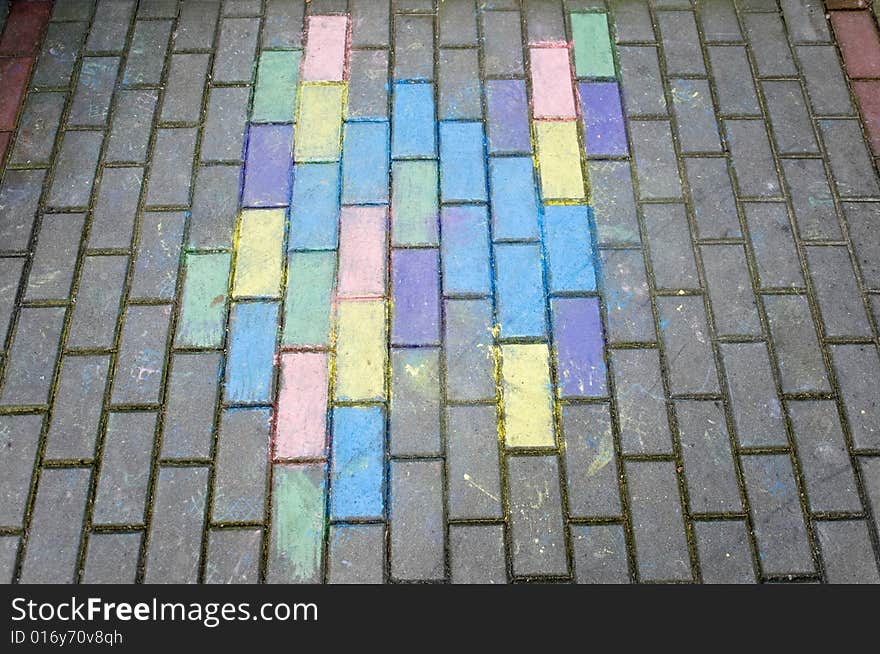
454	291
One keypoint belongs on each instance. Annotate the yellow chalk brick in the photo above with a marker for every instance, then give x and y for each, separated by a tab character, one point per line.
259	251
319	122
528	397
360	350
559	160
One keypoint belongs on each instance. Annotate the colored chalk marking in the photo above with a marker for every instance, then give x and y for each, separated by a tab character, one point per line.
465	250
275	92
251	360
326	48
507	116
604	130
203	303
362	252
514	198
527	395
319	122
357	463
314	207
258	253
414	204
579	345
365	163
592	45
416	288
412	121
568	248
462	162
519	290
267	168
559	160
301	429
308	302
552	95
360	350
297	533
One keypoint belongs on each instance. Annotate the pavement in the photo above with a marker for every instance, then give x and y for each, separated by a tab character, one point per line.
439	291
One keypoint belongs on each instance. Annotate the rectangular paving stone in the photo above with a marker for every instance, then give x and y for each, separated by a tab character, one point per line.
112	558
599	553
513	199
412	127
552	95
468	350
356	554
696	126
19	196
849	159
314	214
459	84
38	126
756	410
751	158
171	175
507	117
10	277
370	23
31	358
502	43
360	350
236	50
116	207
20	437
141	358
719	21
241	465
869	467
282	24
611	197
185	88
773	245
75	169
130	127
196	25
767	40
823	76
415	280
632	21
76	410
14	75
688	350
110	25
592	45
307	305
368	85
54	260
160	238
801	367
362	252
661	546
93	324
857	371
578	347
847	552
527	396
473	471
357	463
324	58
476	554
730	290
681	43
61	46
559	160
519	293
224	132
465	250
146	54
811	199
233	556
124	474
724	552
417	537
188	425
250	363
537	533
365	161
414	203
301	425
203	301
457	22
641	81
414	47
157	9
590	462
789	119
215	206
545	21
628	301
415	402
860	218
319	122
94	91
641	408
604	131
656	168
777	519
805	20
735	90
711	195
176	528
259	254
672	258
267	167
53	544
275	93
837	292
71	10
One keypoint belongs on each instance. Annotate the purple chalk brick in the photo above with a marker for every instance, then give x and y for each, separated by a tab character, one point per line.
577	332
267	170
508	116
604	132
415	275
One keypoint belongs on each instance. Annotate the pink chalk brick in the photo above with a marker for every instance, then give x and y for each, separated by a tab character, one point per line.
326	49
552	94
362	252
301	429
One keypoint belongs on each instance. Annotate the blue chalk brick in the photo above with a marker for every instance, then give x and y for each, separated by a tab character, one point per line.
251	360
412	126
356	475
462	162
365	163
519	290
314	211
568	248
465	250
514	198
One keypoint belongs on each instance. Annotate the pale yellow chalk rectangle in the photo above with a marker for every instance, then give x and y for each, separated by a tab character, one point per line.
527	393
319	122
559	160
259	253
360	350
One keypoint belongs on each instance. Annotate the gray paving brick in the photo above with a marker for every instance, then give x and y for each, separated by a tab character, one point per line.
641	408
773	245
537	530
110	25
242	7
476	554
814	210
94	91
242	465
656	167
19	197
37	129
544	20
660	544
97	302
730	290
825	463
184	88
367	87
225	125
112	558
215	206
681	43
766	36
858	374
711	195
160	237
805	20
801	367
53	544
415	401
861	219
632	21
757	5
417	534
752	159
457	22
190	404
847	552
724	552
236	49
733	81
75	169
459	93
71	10
356	554
370	23
641	81
31	362
613	202
171	173
55	257
790	123
756	410
130	131
61	47
849	159
824	78
502	43
870	473
468	340
8	555
718	20
837	292
233	556
141	360
628	300
196	25
76	411
10	277
157	9
116	207
695	116
176	528
599	553
590	461
473	471
413	47
669	240
19	438
125	469
685	334
282	24
146	54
